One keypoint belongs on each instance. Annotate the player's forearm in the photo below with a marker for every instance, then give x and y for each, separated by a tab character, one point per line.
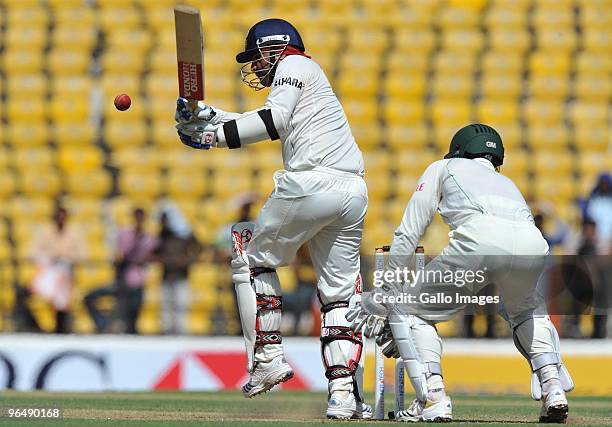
258	126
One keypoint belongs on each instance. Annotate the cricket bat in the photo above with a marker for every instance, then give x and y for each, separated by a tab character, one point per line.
189	53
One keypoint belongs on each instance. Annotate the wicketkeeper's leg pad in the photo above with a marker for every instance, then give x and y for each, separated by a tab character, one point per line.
537	340
341	349
420	348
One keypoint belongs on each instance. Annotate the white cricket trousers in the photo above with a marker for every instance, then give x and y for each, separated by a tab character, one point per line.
323	207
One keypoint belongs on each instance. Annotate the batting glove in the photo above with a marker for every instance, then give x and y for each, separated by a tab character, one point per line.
366	315
386	342
185	114
197	135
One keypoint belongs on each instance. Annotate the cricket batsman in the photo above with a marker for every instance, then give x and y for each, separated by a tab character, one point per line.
320	197
491	229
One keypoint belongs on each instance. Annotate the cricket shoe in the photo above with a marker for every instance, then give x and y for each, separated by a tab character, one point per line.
342	405
438	409
266	375
554	405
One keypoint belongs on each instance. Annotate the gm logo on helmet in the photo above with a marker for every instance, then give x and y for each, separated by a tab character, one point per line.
491	144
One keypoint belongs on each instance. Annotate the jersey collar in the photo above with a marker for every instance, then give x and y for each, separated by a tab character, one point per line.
485	163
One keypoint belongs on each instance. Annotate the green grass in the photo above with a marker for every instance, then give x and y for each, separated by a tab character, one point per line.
292	408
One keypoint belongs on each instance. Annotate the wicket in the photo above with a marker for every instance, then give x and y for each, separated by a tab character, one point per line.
379	359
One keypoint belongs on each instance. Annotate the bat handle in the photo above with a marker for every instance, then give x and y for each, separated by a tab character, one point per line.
193	103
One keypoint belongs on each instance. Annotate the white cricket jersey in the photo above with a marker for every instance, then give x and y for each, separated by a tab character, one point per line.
315	129
459	189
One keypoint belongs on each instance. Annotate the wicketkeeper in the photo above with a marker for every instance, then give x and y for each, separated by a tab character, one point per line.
492	229
320	198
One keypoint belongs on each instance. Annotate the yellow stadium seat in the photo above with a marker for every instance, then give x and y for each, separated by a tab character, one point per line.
118	134
373	41
352	61
595	138
37	134
377	161
516	163
92	182
458	17
368	136
125	62
33	158
114	84
462	64
594	15
40	182
549	63
67	107
163	63
19	61
132	40
227	184
360	111
68	62
83	17
182	158
554	190
594	113
90	276
79	158
443	133
501	86
592	163
589	88
34	15
414	162
469	40
401	137
30	39
130	158
549	88
547	137
186	184
219	87
411	16
159	17
379	185
506	17
502	63
111	18
73	85
5	159
164	135
166	40
357	86
21	109
73	133
27	86
491	111
553	163
404	185
400	84
511	40
80	39
541	112
32	208
86	209
418	41
553	17
401	63
139	185
450	113
593	64
216	212
7	184
450	86
403	111
511	133
555	39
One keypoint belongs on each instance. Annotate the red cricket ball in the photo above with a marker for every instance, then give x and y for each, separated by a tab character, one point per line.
122	102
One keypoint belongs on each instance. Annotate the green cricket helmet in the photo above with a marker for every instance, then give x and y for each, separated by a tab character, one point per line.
477	140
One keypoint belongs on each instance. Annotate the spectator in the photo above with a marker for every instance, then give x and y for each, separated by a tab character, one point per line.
55	250
134	251
599	209
555	234
177	250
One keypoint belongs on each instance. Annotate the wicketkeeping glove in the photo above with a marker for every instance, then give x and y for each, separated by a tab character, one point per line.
386	342
367	315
